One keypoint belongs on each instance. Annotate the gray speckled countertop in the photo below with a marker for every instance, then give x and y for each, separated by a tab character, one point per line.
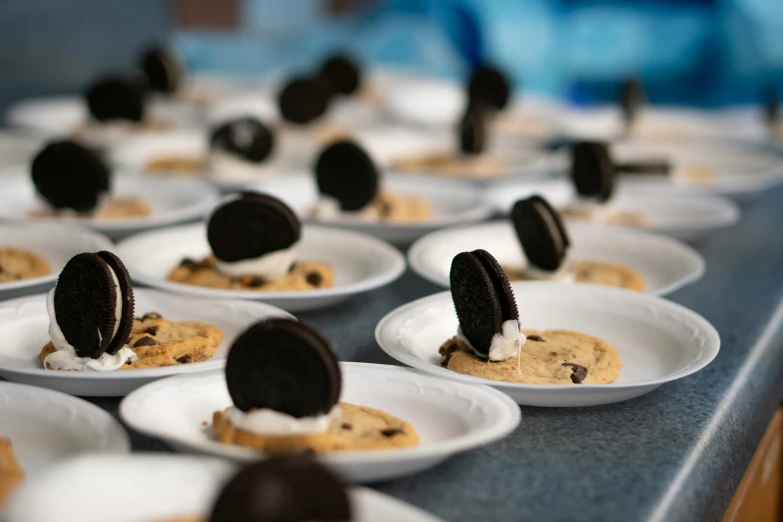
676	454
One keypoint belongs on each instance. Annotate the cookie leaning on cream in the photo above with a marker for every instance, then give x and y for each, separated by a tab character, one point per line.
285	383
546	244
92	325
491	344
254	239
350	187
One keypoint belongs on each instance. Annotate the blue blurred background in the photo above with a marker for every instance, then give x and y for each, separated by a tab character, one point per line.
695	52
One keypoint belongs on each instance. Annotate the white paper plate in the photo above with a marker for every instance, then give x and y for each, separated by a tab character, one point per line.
24	325
57	244
135	154
47	427
453	202
449	417
360	264
16	148
170	485
171	202
59	116
684	215
658	341
665	264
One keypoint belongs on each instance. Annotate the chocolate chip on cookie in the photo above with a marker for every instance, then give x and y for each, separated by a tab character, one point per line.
391	432
579	372
145	341
482	298
632	98
345	172
128	301
536	338
592	170
162	69
251	225
283	365
341	74
473	129
85	302
116	98
540	232
303	100
69	175
283	489
247	138
491	86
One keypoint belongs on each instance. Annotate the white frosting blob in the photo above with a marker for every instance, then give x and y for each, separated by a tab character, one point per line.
271	266
328	209
271	422
225	165
504	345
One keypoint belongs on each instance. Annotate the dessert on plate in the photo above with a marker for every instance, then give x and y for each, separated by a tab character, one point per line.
350	187
285	383
280	489
92	325
11	473
239	149
490	342
253	238
593	174
74	181
545	241
18	263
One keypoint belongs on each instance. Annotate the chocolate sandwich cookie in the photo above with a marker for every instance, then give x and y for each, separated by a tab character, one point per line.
345	172
247	138
250	226
162	70
632	98
303	100
285	366
489	85
69	175
283	489
116	98
540	232
473	128
86	298
771	106
592	170
341	74
482	298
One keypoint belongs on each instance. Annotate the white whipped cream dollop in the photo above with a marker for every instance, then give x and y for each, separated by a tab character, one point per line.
329	209
504	345
271	266
229	166
271	422
65	358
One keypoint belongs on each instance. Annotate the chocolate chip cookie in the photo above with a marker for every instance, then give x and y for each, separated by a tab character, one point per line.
593	272
11	473
17	263
549	357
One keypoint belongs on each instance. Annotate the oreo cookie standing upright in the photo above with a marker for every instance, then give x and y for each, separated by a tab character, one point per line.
771	107
303	100
247	138
592	170
345	172
251	225
341	74
93	304
116	98
283	489
162	70
285	366
632	99
473	129
482	298
490	86
540	232
70	176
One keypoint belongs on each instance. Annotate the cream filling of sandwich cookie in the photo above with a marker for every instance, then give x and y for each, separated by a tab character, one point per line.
504	345
230	166
328	208
270	422
65	358
272	266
